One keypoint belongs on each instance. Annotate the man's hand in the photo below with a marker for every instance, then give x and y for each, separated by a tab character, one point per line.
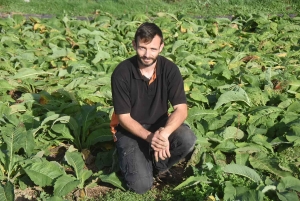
162	154
160	145
158	141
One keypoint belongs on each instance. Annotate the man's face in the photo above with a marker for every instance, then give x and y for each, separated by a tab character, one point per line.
148	52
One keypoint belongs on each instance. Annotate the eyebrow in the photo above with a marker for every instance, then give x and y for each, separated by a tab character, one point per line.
152	48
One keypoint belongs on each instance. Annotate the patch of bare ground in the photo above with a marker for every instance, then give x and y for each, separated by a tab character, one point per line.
26	194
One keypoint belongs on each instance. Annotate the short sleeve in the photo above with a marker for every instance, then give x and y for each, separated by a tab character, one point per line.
176	92
120	85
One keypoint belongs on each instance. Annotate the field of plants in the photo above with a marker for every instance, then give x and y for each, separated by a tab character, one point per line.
241	79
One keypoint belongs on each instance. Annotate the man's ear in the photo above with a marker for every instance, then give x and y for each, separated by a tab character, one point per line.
161	47
134	44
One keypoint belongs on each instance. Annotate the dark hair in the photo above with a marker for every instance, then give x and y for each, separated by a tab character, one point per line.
147	31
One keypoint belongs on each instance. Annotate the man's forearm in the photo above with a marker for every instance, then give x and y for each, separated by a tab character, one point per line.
156	140
134	127
175	119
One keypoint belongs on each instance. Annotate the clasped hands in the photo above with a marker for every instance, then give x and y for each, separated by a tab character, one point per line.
160	144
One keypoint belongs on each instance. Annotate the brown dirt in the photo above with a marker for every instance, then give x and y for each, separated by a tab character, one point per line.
25	195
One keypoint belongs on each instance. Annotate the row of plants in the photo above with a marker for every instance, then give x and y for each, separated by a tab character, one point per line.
241	80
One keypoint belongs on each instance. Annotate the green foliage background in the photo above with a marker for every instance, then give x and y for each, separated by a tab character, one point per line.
241	78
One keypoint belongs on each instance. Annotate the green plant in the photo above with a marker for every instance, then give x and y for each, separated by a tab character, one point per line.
240	77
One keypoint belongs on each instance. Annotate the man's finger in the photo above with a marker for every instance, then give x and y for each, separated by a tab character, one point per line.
155	148
160	154
159	144
164	154
168	153
156	156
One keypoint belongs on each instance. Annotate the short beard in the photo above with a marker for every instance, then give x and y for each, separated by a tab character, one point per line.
146	65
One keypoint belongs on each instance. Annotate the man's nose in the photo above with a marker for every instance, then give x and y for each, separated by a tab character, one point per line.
147	53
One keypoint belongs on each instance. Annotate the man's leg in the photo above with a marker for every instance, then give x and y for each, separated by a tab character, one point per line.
135	162
182	142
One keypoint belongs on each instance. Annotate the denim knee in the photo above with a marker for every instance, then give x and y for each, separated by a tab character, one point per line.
185	137
141	185
135	163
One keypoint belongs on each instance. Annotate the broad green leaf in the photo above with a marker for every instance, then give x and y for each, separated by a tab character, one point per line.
50	118
198	96
257	96
18	108
252	130
261	115
249	148
75	83
241	158
243	171
112	179
75	160
4	86
263	162
57	52
43	173
55	198
262	140
191	181
63	130
64	185
233	96
289	183
286	104
29	143
287	196
222	69
226	146
197	114
198	156
233	132
220	158
73	125
229	191
294	107
251	195
24	73
177	44
268	188
87	117
101	55
14	138
7	192
99	135
84	175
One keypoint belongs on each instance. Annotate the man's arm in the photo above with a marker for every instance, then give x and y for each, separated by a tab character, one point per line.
175	119
156	140
133	126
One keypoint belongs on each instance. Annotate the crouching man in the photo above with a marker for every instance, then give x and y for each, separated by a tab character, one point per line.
149	141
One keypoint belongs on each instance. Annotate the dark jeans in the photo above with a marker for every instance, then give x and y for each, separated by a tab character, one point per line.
137	161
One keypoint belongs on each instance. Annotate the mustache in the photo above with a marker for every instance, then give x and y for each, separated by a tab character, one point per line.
146	57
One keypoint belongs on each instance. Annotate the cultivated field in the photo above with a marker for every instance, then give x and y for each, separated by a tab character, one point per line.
241	79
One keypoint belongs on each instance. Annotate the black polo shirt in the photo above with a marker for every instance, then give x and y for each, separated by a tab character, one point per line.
146	102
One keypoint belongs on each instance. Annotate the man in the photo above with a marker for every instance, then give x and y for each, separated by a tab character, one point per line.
148	139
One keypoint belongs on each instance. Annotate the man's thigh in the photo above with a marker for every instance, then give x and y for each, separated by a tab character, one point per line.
135	162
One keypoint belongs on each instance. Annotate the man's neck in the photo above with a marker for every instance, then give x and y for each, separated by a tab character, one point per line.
147	71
